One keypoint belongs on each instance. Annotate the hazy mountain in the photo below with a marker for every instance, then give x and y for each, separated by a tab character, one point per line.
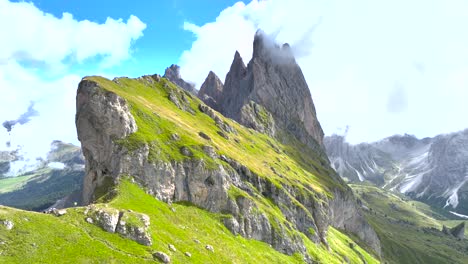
434	170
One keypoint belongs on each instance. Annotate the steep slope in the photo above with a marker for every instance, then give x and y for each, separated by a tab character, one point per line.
60	175
433	170
178	149
70	238
271	95
410	231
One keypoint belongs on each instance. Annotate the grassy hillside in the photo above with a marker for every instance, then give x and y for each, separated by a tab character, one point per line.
409	231
41	238
40	189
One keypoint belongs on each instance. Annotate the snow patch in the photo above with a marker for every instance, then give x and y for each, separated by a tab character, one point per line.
453	198
459	215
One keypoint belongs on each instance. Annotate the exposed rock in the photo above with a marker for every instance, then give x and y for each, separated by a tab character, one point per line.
273	80
180	100
106	218
210	151
175	137
101	117
186	151
458	231
173	74
55	211
188	254
131	225
135	226
209	248
8	224
224	135
203	135
196	241
172	248
211	91
161	256
257	117
219	122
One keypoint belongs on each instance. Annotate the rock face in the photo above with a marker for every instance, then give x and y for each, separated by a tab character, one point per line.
172	73
101	118
274	81
211	91
431	169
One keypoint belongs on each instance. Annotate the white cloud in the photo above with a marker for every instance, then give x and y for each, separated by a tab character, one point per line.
34	36
352	54
35	50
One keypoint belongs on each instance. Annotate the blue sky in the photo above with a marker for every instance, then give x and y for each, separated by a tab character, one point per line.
379	67
164	38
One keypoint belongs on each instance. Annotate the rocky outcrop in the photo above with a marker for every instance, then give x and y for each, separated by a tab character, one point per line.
458	231
129	224
211	91
275	81
172	73
101	118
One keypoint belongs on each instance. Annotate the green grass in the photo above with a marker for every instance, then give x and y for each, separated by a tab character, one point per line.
41	238
39	190
13	183
403	227
158	118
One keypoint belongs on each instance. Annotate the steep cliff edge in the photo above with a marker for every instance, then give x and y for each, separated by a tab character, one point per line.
179	150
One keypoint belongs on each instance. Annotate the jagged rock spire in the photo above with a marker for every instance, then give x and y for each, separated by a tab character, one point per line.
172	73
275	81
211	90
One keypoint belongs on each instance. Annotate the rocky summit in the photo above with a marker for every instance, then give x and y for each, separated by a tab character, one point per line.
172	73
211	91
270	94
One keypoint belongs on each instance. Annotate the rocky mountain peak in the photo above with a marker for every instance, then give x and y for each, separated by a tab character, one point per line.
211	90
266	49
274	81
172	73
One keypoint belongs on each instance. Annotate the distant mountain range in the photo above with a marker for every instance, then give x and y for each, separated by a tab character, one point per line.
433	170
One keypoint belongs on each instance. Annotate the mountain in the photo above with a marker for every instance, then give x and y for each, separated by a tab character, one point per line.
180	150
410	231
271	95
433	170
169	179
172	73
59	178
211	91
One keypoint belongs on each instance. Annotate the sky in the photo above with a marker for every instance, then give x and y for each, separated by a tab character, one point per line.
377	67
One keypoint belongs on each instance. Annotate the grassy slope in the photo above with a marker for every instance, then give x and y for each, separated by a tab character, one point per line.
39	190
13	183
399	224
41	238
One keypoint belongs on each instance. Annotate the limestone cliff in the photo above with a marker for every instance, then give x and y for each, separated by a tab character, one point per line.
273	80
